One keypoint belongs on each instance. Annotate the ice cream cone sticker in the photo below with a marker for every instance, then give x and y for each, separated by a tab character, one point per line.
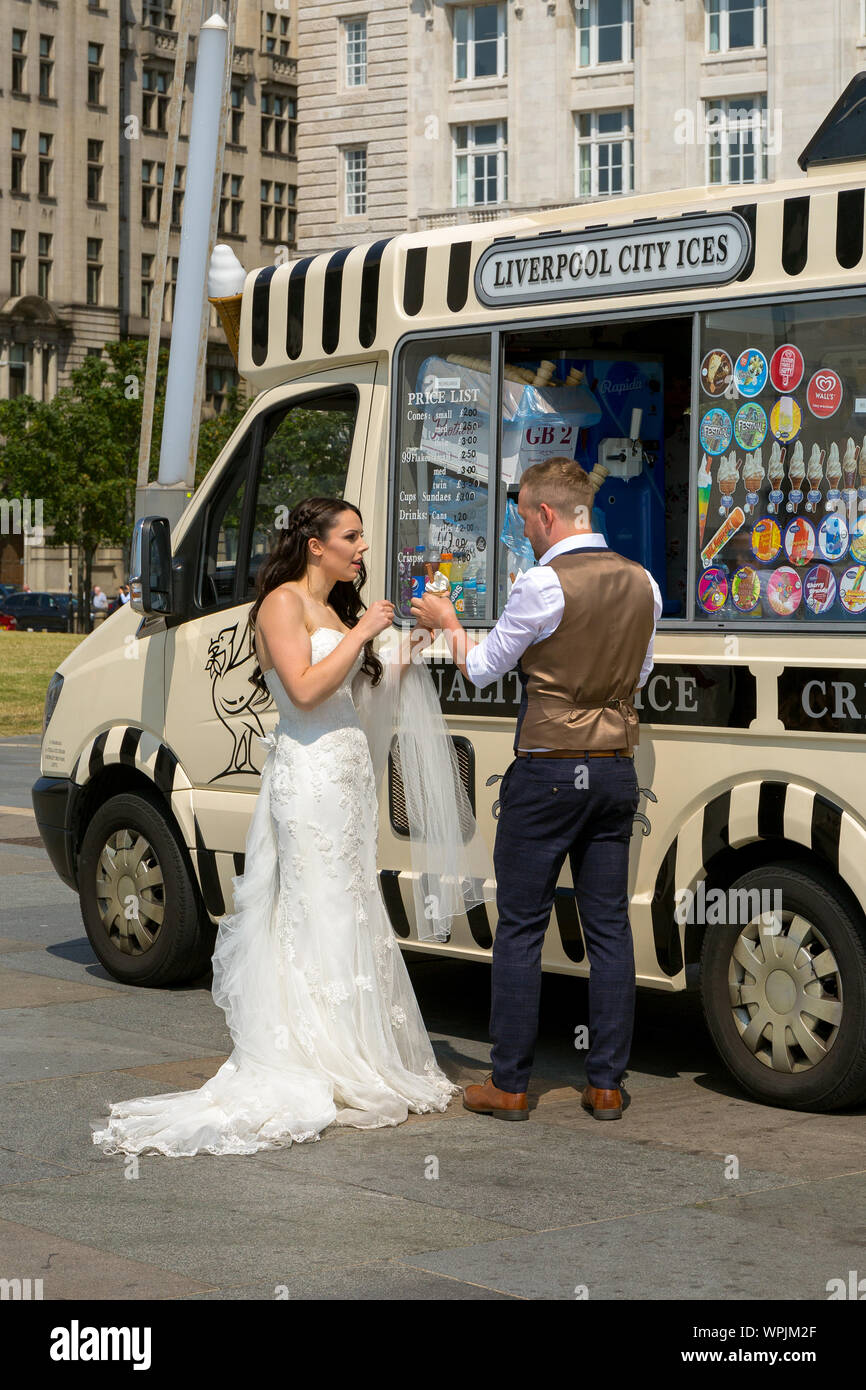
815	473
728	476
776	474
753	477
796	474
861	471
705	487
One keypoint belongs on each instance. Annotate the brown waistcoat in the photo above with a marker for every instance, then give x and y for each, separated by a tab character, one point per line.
581	680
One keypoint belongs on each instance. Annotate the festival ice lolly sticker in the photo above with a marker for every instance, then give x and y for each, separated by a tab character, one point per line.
716	431
728	528
750	425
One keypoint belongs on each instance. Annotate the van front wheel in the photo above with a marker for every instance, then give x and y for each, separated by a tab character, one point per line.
783	984
141	906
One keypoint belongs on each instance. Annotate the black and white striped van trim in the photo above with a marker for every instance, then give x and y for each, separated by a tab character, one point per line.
135	748
743	814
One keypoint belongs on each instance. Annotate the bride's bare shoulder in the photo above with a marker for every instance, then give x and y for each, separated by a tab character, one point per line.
285	603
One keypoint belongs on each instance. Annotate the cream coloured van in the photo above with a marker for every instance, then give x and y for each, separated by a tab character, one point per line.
708	350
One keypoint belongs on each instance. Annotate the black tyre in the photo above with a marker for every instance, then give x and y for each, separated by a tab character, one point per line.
141	906
784	995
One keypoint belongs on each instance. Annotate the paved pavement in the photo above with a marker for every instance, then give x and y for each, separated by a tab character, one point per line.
696	1193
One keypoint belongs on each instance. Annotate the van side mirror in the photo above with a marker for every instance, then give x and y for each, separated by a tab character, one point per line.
150	578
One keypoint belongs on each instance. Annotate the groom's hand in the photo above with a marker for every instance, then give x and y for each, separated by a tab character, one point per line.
433	611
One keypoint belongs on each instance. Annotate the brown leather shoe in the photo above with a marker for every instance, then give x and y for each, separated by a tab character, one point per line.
605	1105
487	1099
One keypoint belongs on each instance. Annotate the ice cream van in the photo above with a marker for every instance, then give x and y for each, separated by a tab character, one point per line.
704	354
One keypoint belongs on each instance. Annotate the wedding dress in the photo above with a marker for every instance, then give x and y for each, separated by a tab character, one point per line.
317	997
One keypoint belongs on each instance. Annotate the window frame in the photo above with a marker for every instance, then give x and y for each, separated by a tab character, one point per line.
361	65
594	140
470	42
723	14
348	150
498	329
761	153
589	13
249	472
473	151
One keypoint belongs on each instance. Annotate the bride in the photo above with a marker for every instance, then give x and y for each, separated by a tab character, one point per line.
317	997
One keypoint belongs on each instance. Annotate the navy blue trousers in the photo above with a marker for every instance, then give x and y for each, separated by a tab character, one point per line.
545	814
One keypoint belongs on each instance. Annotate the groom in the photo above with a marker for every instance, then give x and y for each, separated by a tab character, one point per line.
580	627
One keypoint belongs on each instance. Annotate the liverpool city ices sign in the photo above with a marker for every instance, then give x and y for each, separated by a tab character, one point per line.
697	250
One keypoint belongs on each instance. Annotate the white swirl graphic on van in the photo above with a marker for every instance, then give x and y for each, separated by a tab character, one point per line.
230	663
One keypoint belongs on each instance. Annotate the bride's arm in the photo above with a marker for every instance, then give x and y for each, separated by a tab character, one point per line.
280	619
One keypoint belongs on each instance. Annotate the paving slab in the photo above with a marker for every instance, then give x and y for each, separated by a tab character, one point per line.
380	1280
22	1167
41	1042
182	1015
692	1119
234	1220
20	989
718	1250
72	1270
534	1175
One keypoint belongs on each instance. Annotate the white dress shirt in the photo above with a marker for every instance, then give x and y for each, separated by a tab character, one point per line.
534	610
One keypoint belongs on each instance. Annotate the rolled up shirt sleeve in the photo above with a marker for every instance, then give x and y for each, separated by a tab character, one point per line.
648	660
533	611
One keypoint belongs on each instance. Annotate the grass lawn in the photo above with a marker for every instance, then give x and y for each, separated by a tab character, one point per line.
28	660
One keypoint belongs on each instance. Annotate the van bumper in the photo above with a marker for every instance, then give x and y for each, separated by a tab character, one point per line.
53	802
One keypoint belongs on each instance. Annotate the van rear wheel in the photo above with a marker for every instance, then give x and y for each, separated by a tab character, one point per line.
141	906
784	992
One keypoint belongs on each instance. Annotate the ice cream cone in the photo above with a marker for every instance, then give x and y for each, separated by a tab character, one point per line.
229	311
598	475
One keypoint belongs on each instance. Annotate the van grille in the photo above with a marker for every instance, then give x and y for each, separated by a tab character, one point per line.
396	795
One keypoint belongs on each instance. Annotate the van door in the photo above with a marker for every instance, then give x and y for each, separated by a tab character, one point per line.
303	440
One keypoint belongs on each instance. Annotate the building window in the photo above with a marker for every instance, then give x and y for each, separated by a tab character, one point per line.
274	211
152	176
17	371
94	270
170	290
231	205
177	195
355	39
159	14
275	33
480	164
146	285
218	382
733	24
18	158
279	123
736	143
94	74
46	164
355	179
480	42
46	65
19	61
17	261
46	262
604	33
94	171
236	117
154	99
605	153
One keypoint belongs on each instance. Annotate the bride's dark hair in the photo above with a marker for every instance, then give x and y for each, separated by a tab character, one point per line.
289	559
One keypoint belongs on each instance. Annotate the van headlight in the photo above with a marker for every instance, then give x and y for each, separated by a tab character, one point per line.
52	695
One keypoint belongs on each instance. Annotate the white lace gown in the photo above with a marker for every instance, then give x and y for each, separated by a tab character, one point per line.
324	1020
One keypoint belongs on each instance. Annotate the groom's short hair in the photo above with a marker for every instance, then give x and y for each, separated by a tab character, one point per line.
563	485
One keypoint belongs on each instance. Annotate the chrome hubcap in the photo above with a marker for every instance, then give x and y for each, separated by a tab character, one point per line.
785	991
130	892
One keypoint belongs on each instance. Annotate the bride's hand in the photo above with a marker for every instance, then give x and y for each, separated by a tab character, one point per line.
378	617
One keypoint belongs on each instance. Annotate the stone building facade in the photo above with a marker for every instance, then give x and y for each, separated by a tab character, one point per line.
84	91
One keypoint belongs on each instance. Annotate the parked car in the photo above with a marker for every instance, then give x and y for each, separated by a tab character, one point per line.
36	612
6	589
7	622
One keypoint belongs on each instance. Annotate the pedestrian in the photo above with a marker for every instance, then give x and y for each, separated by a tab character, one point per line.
580	626
124	593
